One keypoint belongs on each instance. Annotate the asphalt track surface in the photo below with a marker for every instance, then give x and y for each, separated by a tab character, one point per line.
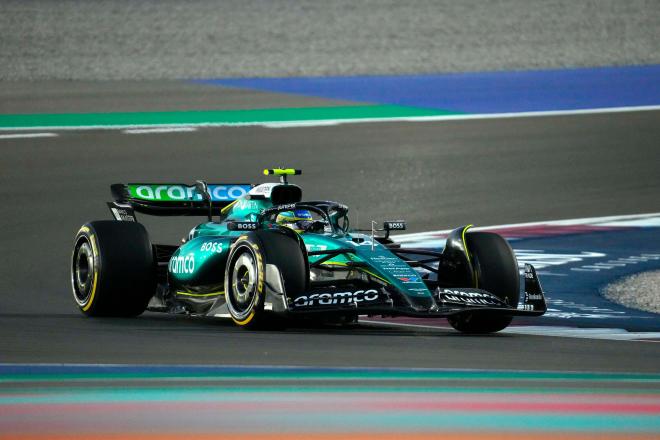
436	175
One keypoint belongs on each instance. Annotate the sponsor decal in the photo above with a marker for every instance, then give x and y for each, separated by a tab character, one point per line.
287	206
278	208
183	193
420	290
180	264
122	215
326	299
264	189
316	247
409	279
468	297
533	297
242	226
364	242
395	226
386	258
249	205
211	246
222	193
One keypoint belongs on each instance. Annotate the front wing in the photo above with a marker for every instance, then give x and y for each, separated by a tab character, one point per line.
378	300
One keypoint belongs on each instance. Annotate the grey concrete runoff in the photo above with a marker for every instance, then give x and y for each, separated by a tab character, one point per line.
640	291
154	39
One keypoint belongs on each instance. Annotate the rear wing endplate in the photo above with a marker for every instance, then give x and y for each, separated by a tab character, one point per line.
165	199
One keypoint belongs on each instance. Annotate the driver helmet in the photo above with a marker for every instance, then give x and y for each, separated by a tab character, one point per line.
299	220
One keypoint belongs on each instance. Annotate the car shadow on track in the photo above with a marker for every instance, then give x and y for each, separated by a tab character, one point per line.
157	323
372	328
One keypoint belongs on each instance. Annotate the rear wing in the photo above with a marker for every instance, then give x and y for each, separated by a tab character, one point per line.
176	198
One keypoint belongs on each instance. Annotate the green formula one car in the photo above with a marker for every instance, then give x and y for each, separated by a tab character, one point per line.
265	256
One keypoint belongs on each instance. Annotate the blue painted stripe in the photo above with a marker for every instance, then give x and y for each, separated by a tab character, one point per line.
481	92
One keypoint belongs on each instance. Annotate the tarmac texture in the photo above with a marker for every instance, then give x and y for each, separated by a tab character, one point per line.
435	175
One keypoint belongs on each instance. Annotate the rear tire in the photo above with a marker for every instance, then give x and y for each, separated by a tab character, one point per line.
496	270
245	275
113	272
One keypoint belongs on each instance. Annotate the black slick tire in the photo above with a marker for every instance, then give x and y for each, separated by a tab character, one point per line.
245	287
113	272
496	270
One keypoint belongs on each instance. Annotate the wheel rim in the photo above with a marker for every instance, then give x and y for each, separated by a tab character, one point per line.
243	283
83	272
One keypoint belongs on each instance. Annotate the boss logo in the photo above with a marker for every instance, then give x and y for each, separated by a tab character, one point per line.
211	246
395	226
242	226
246	226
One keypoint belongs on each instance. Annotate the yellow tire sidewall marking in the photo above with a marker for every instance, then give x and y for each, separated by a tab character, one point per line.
92	241
260	285
467	252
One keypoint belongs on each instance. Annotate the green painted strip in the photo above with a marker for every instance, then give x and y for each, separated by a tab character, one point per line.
203	117
10	396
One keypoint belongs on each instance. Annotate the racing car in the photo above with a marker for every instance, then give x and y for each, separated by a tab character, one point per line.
264	255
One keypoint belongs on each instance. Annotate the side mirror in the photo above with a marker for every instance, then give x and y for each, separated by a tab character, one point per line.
202	189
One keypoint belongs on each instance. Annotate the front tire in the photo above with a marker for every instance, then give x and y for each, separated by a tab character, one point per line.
496	270
244	282
112	269
245	275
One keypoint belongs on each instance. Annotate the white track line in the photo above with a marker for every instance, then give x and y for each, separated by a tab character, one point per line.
614	334
326	122
27	135
467	117
160	130
651	219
